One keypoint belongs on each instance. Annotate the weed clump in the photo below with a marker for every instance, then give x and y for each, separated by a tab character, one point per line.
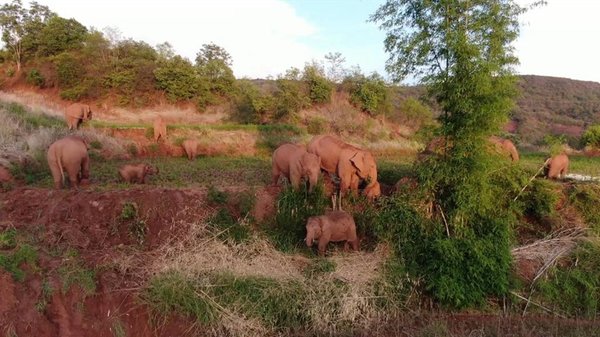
73	272
13	254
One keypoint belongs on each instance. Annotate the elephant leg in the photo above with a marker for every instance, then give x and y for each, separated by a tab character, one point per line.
275	173
354	182
57	175
73	173
322	245
295	178
85	168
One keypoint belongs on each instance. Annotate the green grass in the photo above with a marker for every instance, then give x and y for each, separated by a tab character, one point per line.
12	261
30	119
277	304
73	272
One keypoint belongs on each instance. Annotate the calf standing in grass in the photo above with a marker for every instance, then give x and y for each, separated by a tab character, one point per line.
136	173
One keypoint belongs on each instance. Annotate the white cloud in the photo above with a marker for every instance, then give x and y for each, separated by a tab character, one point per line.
560	39
262	36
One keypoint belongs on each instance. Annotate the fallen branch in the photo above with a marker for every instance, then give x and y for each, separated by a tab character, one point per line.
536	304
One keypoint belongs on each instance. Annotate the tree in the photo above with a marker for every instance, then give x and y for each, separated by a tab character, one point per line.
214	65
17	23
461	50
59	35
335	66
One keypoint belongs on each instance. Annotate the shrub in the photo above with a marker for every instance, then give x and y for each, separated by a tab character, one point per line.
251	105
290	98
11	261
591	136
178	78
69	70
586	197
541	198
319	88
34	77
216	196
370	94
317	125
574	288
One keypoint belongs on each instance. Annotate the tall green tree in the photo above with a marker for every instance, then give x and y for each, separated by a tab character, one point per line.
214	66
17	23
462	51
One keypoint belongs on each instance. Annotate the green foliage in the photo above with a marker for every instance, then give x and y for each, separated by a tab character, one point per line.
251	105
591	136
271	137
540	199
555	143
96	144
463	53
574	289
73	272
34	77
178	78
282	303
318	267
415	113
228	227
69	70
317	125
319	88
290	97
586	198
293	210
75	93
59	35
11	261
129	211
8	239
369	94
137	226
216	196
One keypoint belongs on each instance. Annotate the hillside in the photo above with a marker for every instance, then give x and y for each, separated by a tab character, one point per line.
558	106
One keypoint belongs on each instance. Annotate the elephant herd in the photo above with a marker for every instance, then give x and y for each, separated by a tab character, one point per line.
323	154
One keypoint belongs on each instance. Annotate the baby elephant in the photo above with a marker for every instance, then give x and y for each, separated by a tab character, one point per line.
136	173
190	146
333	226
557	166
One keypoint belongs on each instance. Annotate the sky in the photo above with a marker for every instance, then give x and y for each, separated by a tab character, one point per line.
266	37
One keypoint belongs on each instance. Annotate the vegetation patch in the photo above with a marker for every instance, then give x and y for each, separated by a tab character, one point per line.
72	271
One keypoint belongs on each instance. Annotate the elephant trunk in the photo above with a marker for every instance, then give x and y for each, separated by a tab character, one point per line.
313	180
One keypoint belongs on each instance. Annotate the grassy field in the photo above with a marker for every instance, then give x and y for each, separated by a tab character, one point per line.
577	163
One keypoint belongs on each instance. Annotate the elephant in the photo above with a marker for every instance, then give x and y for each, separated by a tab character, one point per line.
69	154
293	162
349	162
136	173
190	146
333	226
76	113
557	166
160	129
506	146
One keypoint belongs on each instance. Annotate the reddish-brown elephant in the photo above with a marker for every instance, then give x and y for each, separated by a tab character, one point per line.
333	226
136	173
349	162
190	147
506	146
294	163
69	154
557	166
76	113
160	129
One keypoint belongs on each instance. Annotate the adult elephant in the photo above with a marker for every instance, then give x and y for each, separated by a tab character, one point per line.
506	146
349	162
76	113
69	154
293	162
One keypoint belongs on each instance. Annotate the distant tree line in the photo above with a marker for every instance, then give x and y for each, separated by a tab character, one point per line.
49	51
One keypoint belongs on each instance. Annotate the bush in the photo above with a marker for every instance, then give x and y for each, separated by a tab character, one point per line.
317	125
575	288
290	98
228	227
251	105
586	197
369	94
34	77
540	199
178	78
319	88
591	136
69	70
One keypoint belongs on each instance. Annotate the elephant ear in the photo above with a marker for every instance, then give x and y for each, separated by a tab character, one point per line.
358	161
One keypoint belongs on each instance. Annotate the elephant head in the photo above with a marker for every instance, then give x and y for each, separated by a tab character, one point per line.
373	190
365	166
314	229
311	169
150	170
